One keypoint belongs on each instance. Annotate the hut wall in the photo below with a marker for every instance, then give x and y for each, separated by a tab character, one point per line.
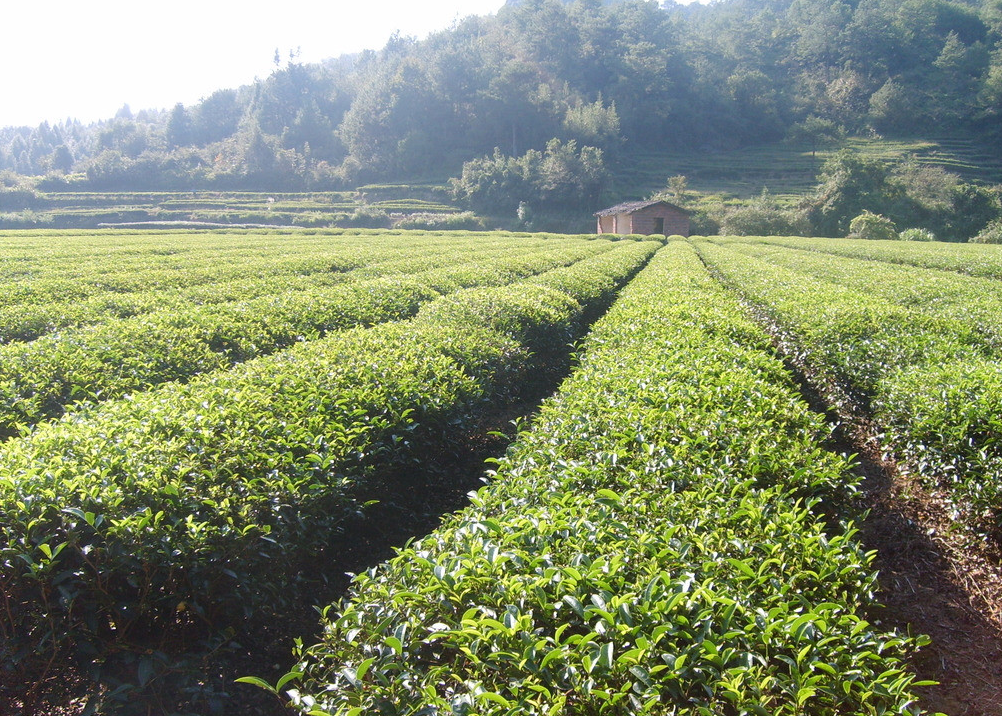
644	221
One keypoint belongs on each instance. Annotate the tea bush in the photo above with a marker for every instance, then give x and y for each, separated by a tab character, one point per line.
917	348
40	379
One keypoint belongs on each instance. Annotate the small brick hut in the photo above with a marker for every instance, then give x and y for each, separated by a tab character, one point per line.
643	217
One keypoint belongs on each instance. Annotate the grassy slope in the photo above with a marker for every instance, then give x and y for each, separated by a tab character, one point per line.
788	171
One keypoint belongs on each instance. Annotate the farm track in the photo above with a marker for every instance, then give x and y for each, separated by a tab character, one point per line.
931	580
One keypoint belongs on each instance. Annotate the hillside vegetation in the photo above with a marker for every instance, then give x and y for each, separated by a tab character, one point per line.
549	104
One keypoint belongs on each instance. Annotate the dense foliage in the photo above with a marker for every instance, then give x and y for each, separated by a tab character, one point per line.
596	73
670	534
561	175
39	378
907	194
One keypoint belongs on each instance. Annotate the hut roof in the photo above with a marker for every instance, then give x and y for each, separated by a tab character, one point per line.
631	206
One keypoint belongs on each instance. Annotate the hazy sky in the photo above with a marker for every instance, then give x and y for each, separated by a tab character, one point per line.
70	58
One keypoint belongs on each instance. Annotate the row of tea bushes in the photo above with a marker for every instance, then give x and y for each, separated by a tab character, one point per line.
148	265
77	255
26	321
179	257
68	280
42	304
927	373
974	300
204	502
856	337
974	259
39	379
648	545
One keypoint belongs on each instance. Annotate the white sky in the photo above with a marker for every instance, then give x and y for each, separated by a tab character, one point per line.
80	59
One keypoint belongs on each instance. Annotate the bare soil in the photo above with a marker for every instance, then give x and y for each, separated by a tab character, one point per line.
935	581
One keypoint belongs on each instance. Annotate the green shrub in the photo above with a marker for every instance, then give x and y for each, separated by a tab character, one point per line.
563	175
646	548
763	217
19	197
872	226
367	217
917	235
205	502
916	351
465	220
991	234
948	420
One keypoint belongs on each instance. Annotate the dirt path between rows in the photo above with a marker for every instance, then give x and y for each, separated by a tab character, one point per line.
932	579
933	582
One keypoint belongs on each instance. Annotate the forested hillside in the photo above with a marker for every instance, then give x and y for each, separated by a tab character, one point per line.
553	94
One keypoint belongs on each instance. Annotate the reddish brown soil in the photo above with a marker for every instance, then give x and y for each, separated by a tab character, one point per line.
934	581
932	578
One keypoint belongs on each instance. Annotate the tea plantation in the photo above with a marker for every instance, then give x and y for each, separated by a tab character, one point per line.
195	423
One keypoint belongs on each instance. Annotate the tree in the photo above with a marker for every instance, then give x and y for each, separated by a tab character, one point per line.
216	117
893	109
850	184
816	132
492	184
520	111
990	97
820	28
259	156
676	191
954	77
396	121
569	177
126	136
756	102
558	178
974	208
62	159
593	124
179	127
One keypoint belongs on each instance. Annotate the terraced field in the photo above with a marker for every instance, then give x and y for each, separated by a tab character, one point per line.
789	171
303	209
199	426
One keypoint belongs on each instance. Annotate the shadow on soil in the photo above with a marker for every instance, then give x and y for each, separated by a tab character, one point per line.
925	584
